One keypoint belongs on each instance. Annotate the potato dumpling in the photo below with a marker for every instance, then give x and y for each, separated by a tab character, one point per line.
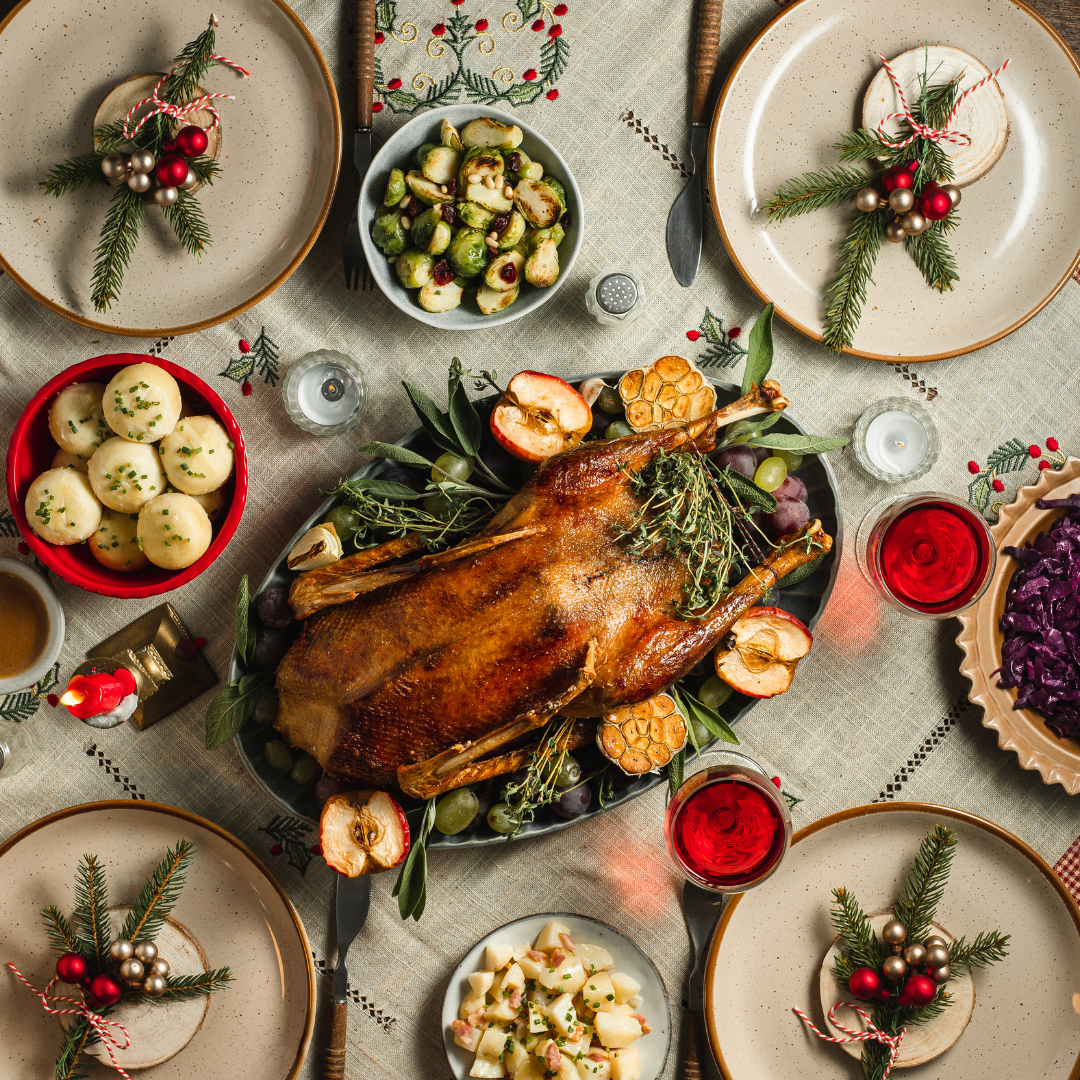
61	506
174	530
197	456
142	403
125	476
76	419
213	502
116	543
63	460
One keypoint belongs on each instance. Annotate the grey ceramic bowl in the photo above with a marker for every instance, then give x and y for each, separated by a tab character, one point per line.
398	152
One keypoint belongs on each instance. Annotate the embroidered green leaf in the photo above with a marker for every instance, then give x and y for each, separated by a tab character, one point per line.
20	706
721	350
1009	457
7	523
294	835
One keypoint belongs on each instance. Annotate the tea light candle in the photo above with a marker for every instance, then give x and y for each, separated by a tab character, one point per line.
896	440
324	392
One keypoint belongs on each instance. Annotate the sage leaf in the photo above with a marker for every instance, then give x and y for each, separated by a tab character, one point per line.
799	444
395	453
746	491
676	770
435	423
232	707
245	628
411	886
759	351
748	427
463	415
800	573
710	719
385	489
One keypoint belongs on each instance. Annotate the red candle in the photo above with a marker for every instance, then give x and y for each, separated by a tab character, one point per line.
91	695
126	680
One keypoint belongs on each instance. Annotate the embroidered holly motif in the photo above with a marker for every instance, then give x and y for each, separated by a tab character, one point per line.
721	348
22	705
290	835
7	523
260	358
1009	457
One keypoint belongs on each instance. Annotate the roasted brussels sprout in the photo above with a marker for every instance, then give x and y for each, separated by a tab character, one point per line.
440	164
483	131
430	233
467	253
534	236
539	202
395	188
474	215
438	298
533	171
480	162
448	136
505	272
489	198
511	236
414	268
419	153
491	300
542	266
557	187
388	233
425	190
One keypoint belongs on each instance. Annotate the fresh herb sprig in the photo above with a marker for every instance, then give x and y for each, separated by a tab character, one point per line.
411	886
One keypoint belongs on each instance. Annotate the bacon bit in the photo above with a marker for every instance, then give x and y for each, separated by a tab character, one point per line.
553	1057
460	1029
535	954
557	957
477	1018
568	941
638	1017
598	1055
515	998
645	1029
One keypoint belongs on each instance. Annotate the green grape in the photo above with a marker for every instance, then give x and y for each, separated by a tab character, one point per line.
500	818
771	473
618	429
610	402
747	437
439	505
305	770
714	692
455	468
278	756
345	521
266	706
792	461
701	733
456	811
569	773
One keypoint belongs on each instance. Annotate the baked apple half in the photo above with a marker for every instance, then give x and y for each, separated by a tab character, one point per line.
759	655
538	416
363	832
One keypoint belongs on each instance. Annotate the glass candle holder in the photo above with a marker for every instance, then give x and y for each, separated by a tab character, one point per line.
728	826
615	297
896	440
16	748
324	392
928	554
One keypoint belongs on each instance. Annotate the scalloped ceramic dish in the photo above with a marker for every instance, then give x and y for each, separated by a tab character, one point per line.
1021	730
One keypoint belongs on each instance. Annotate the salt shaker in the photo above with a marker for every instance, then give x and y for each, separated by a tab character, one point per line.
16	748
615	297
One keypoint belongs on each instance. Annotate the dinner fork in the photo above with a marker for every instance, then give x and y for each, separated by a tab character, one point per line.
357	272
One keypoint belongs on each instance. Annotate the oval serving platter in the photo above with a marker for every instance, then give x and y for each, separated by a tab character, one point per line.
806	600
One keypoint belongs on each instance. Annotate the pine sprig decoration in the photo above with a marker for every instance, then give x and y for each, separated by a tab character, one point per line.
196	58
112	256
63	937
92	910
847	293
186	987
74	174
187	221
721	349
849	922
987	948
158	895
925	883
815	191
933	256
1009	457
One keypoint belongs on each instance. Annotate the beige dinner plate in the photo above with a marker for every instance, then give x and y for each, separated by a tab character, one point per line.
767	951
281	148
800	84
1023	731
257	1029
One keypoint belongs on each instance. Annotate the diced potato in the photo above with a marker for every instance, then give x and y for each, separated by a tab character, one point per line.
480	982
594	957
625	987
471	1041
531	1070
616	1008
541	996
598	991
549	937
625	1065
615	1032
562	1014
514	979
493	1043
470	1005
532	1041
520	950
537	1021
515	1057
573	1046
530	968
498	955
501	1010
637	1001
493	1070
568	977
567	1069
593	1070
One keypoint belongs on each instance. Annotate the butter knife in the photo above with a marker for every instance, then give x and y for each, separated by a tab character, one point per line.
701	910
684	225
353	901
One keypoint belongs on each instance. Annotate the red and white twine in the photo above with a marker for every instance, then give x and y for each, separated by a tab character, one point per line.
923	131
96	1021
871	1034
180	112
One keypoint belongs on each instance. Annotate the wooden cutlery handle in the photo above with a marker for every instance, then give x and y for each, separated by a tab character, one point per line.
334	1066
691	1062
706	51
365	61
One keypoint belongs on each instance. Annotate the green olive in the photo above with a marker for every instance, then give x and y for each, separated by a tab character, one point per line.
278	756
792	461
452	467
771	473
345	521
305	770
714	692
501	819
610	402
618	429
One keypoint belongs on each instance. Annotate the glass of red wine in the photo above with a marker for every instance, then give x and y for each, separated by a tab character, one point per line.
928	554
728	826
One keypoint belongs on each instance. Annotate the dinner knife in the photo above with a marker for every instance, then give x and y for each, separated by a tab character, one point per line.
701	910
684	225
365	90
353	901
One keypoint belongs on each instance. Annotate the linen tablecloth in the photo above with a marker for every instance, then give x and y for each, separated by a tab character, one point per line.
878	711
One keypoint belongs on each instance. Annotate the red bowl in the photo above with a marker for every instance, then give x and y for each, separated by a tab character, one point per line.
31	451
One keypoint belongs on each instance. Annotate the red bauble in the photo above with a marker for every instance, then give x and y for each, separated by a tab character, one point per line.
913	166
168	147
899	177
934	204
71	968
191	141
172	170
104	990
864	983
919	990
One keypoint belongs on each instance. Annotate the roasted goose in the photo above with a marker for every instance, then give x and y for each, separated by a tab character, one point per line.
445	659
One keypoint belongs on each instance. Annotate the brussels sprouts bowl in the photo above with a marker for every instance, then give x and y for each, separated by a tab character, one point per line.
399	153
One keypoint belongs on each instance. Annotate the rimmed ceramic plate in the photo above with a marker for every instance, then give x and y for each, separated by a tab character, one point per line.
1022	731
800	84
281	148
805	600
257	1029
767	951
629	958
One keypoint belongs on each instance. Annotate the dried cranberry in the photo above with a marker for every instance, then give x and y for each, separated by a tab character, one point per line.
451	187
449	213
513	162
508	273
500	221
441	273
564	221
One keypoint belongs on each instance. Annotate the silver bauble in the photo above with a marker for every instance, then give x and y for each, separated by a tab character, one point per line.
941	974
114	166
935	940
937	955
165	196
894	968
190	181
915	955
146	951
142	161
953	192
914	223
894	932
132	970
160	967
901	199
867	200
894	233
138	181
120	950
154	986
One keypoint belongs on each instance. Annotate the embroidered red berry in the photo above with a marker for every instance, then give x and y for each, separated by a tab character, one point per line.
200	642
441	273
529	74
481	25
53	700
560	10
693	335
393	84
508	273
246	389
1034	450
24	548
734	332
539	24
776	780
551	95
377	107
555	31
439	29
1045	465
243	346
1052	444
380	37
457	3
998	485
277	849
973	468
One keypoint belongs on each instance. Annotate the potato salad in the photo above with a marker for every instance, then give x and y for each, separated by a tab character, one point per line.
552	1010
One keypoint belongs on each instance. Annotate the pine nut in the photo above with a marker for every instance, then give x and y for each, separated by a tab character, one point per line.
474	178
508	192
489	181
406	223
442	188
405	202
